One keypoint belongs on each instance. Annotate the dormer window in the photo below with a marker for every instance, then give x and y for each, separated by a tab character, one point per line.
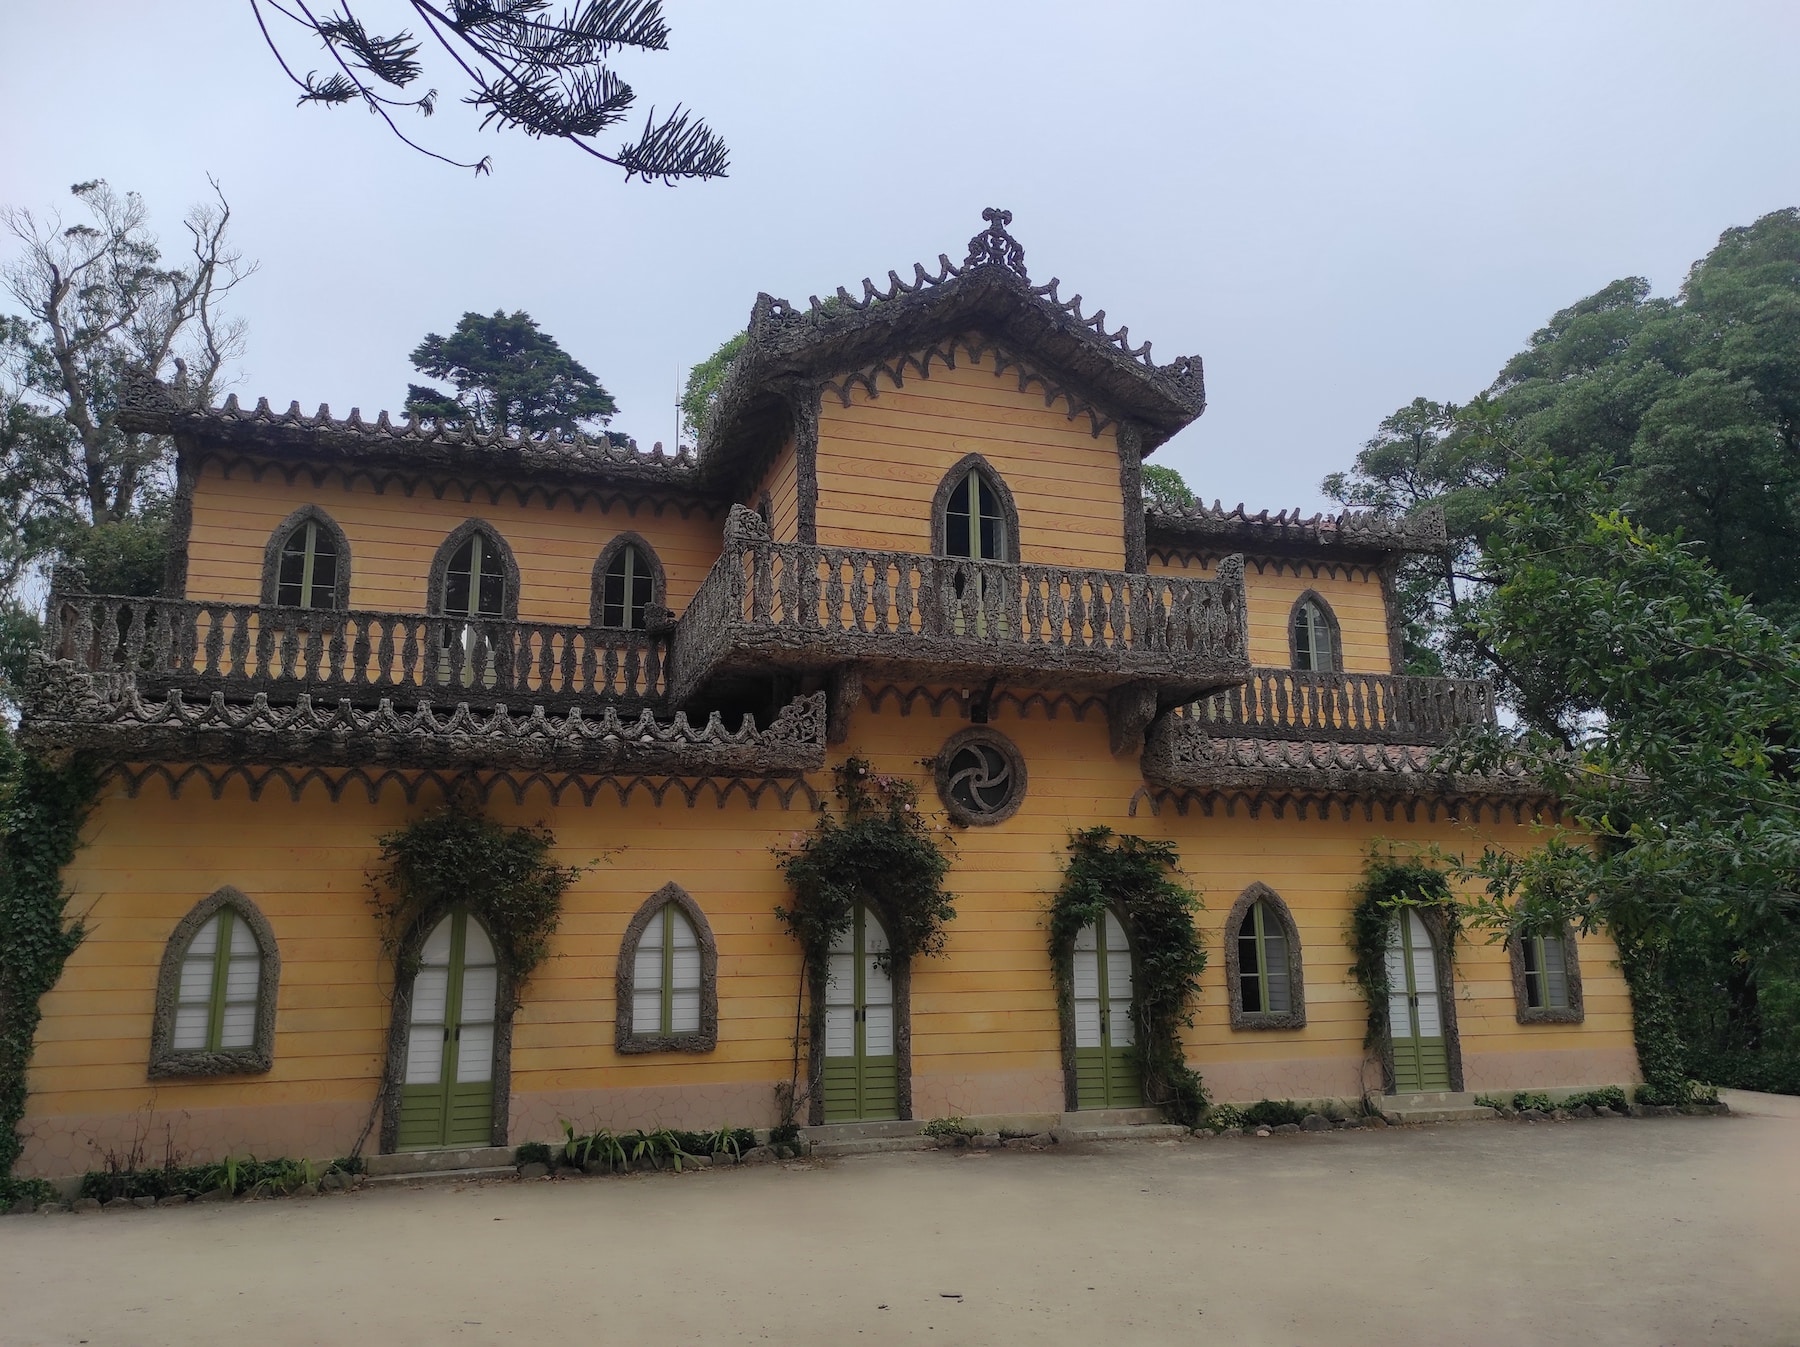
974	516
1313	635
627	581
307	562
475	579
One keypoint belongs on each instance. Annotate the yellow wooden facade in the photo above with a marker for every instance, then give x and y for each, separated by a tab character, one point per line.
984	1025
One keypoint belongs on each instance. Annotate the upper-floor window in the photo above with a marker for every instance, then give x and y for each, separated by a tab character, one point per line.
475	579
1313	633
974	516
307	562
627	581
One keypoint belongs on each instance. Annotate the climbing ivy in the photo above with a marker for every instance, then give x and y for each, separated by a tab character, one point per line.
42	809
1389	883
453	857
1135	877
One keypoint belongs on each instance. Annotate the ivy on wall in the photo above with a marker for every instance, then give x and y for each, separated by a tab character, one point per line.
42	809
1135	877
879	850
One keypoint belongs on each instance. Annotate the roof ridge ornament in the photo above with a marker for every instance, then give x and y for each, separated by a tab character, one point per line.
995	247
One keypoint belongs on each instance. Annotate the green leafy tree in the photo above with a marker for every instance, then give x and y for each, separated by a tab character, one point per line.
704	381
1166	487
510	377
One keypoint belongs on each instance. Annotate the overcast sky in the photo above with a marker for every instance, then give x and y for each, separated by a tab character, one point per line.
1338	206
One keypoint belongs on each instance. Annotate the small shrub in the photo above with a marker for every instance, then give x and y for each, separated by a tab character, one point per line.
23	1192
1524	1100
1224	1118
1607	1096
1273	1113
1686	1092
785	1138
950	1127
1490	1101
533	1153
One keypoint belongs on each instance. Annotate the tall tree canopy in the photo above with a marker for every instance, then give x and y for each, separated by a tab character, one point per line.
529	70
510	376
1690	405
98	302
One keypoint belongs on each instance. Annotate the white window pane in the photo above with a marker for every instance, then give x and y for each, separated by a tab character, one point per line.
686	970
477	948
1118	974
241	979
206	939
878	989
1424	966
243	942
430	991
196	981
875	939
1120	1032
840	1031
647	967
190	1028
1115	933
437	944
1087	1024
646	1011
840	982
1086	974
844	942
479	986
684	1008
1399	1020
475	1053
681	930
237	1028
1430	1024
425	1054
1088	937
878	1031
1275	961
1556	972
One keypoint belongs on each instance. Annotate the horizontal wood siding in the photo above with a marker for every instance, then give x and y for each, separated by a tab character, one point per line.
1269	597
881	460
781	483
393	538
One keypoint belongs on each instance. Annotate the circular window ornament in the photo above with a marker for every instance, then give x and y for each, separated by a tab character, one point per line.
980	776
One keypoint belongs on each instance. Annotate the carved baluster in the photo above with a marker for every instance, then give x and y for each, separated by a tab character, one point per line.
315	651
237	657
834	592
860	565
162	637
911	613
880	594
565	675
190	639
587	662
609	670
139	617
762	561
109	636
655	666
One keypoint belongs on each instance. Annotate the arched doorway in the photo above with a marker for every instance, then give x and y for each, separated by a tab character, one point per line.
861	1068
1106	1070
1416	1014
447	1089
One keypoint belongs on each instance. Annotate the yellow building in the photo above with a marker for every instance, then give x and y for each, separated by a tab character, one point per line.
915	533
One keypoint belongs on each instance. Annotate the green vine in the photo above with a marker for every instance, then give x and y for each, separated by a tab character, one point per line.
881	852
453	857
42	809
1134	877
1390	883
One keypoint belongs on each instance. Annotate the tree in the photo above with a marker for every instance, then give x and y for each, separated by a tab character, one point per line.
544	75
704	381
511	377
1166	488
1691	404
98	306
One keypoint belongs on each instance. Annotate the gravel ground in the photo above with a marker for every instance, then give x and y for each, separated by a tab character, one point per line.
1655	1231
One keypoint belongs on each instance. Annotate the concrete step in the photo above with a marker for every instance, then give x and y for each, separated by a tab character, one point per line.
442	1161
831	1134
1112	1117
1159	1131
827	1150
440	1176
1434	1106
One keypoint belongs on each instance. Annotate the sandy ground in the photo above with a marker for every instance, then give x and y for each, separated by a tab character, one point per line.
1669	1231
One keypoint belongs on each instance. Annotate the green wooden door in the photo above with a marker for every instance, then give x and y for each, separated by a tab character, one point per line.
447	1098
1415	1017
861	1069
1106	1072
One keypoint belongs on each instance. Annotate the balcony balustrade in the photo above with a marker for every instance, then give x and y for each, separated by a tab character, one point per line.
1345	707
362	657
768	605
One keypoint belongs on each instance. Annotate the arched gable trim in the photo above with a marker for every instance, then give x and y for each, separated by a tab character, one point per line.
440	566
165	1061
1295	1016
596	589
1331	621
941	502
271	572
626	1039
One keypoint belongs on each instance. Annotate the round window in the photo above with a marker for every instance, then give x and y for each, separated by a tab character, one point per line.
980	776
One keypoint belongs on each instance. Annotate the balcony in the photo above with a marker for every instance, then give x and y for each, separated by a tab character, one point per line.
1345	708
361	657
768	607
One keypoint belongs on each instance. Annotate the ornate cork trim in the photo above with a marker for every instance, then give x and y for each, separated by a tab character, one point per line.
440	566
1015	762
940	503
1295	1016
1131	490
1331	622
1573	1013
271	570
506	1004
1353	530
659	585
259	1057
806	463
181	526
706	1038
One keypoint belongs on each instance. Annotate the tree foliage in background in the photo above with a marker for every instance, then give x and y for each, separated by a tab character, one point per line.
531	70
510	377
97	301
1166	487
701	395
1690	405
